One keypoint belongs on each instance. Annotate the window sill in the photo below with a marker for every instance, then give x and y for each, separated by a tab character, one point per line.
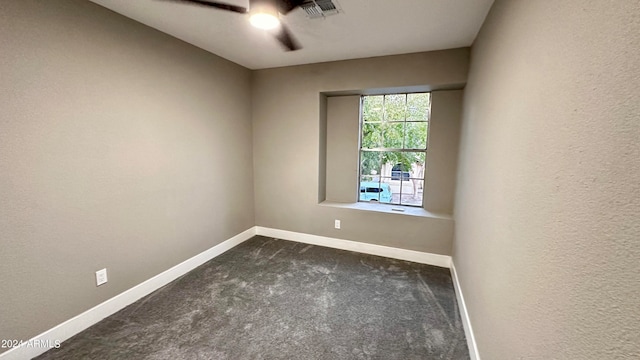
385	208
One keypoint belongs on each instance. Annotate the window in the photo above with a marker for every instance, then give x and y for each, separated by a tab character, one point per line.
393	147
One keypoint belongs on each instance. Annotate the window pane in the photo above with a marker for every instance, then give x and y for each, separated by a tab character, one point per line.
418	106
412	192
374	190
370	164
371	135
414	188
419	159
394	107
372	108
393	135
391	160
389	194
416	135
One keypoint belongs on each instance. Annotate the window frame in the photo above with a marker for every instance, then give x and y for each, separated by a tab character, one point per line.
397	150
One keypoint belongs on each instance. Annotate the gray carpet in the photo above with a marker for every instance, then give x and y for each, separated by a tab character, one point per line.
276	299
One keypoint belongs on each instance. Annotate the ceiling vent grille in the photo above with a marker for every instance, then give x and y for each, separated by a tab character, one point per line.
320	8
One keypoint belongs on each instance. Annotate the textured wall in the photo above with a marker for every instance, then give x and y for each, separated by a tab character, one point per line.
120	147
343	127
287	148
548	200
442	154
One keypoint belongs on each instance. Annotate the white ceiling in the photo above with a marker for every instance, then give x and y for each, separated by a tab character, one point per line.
364	28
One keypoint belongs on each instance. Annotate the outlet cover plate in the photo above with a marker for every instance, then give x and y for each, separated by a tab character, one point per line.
101	277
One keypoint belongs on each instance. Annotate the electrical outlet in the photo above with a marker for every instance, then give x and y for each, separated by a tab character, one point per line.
101	277
337	225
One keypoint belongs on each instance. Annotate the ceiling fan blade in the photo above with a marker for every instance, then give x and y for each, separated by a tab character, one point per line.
216	5
285	37
285	6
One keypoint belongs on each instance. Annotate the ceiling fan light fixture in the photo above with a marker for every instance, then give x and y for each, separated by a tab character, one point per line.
263	14
264	19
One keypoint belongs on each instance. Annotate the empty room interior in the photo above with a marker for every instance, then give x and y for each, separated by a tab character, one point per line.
316	179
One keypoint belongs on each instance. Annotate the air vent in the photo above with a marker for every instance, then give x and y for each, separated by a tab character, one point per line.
320	8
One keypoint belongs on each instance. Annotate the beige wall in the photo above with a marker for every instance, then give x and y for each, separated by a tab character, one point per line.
120	147
343	119
442	156
287	146
548	200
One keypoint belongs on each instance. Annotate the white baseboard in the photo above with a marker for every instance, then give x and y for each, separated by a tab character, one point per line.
379	250
73	326
466	322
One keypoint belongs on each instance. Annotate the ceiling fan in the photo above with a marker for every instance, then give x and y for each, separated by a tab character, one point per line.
263	14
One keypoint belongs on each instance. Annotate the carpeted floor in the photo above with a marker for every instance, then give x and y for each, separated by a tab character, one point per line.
276	299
